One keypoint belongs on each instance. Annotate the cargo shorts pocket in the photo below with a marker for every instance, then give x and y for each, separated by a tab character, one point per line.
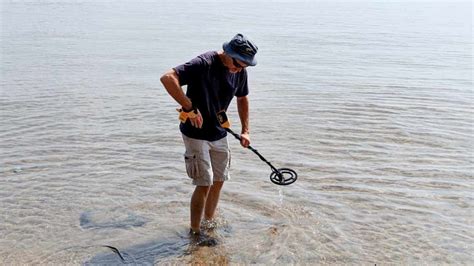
192	165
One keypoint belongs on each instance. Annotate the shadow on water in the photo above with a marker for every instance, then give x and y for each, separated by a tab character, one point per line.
178	249
147	253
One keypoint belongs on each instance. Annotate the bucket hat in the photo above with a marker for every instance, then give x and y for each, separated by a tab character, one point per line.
241	48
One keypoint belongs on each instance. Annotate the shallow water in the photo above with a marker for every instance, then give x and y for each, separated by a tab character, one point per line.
370	102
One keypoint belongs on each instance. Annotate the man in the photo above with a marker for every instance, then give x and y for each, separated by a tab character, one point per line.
212	80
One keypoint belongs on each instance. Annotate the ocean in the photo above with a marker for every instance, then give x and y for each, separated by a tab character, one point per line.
370	102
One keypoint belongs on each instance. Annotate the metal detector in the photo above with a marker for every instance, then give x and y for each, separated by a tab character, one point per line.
281	176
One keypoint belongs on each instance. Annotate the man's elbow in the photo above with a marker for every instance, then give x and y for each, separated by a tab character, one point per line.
165	78
169	77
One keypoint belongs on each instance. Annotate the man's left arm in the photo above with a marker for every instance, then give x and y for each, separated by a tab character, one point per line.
243	109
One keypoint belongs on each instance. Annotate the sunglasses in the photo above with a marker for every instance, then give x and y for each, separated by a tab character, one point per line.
236	64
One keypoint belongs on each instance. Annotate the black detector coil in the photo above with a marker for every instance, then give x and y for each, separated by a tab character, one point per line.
283	176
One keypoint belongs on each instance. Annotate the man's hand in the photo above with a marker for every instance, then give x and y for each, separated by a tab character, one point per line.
197	120
245	139
194	117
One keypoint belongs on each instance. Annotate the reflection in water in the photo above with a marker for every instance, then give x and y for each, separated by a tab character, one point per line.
116	218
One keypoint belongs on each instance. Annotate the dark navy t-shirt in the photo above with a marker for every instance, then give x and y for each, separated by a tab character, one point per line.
211	87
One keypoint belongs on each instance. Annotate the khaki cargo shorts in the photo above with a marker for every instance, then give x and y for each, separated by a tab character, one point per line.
207	161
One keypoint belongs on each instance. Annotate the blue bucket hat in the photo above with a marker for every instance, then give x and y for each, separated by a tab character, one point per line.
241	48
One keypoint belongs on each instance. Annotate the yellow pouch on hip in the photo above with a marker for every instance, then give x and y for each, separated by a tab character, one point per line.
223	120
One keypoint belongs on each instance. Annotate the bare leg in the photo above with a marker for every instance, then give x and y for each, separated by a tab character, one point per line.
212	199
198	201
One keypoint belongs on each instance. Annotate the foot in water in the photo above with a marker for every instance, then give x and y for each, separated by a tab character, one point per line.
209	225
202	239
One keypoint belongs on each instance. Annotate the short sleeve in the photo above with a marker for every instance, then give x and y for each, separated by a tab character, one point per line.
243	89
190	70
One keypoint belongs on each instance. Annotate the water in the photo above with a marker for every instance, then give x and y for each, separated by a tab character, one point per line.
370	102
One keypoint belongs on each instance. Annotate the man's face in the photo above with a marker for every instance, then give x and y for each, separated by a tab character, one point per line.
236	65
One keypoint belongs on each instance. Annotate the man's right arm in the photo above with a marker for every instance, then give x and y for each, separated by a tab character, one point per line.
170	81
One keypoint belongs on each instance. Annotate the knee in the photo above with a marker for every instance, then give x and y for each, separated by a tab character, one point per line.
217	185
202	190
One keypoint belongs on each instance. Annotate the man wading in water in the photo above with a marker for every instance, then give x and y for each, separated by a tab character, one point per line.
212	80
